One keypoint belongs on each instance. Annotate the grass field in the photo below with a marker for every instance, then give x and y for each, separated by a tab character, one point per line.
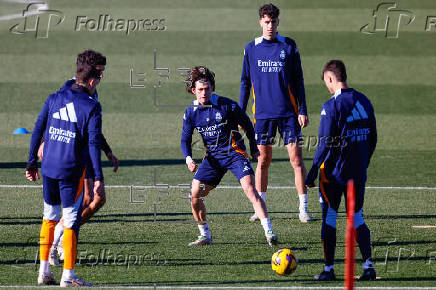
397	74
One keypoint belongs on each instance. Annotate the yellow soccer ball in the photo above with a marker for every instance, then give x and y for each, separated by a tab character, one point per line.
284	262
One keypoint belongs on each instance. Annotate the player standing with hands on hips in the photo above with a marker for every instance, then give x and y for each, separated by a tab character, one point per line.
347	140
272	69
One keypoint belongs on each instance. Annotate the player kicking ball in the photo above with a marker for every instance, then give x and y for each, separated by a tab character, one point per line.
216	119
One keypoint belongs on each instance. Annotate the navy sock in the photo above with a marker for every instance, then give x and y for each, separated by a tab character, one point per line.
364	241
329	244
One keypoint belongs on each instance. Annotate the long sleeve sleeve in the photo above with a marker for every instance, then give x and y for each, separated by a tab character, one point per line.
326	134
297	82
372	138
37	134
243	120
95	139
245	82
186	139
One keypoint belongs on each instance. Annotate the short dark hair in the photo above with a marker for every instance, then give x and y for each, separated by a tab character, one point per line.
87	63
269	9
199	73
337	67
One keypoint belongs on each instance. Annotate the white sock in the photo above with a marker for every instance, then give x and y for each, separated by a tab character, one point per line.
68	274
204	230
266	224
44	267
58	233
263	195
368	264
303	202
328	268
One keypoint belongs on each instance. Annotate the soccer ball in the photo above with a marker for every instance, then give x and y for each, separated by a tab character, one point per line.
284	262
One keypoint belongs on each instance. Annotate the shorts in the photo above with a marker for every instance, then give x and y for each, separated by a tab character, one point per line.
266	129
69	192
213	168
330	193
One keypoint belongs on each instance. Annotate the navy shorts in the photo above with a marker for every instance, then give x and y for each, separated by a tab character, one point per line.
266	129
213	168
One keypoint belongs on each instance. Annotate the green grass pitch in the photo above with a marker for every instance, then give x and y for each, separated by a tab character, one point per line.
140	238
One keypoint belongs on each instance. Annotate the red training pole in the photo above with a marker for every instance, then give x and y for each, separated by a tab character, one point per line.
350	237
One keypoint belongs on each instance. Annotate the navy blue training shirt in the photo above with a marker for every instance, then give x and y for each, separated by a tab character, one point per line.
218	127
70	121
347	138
273	70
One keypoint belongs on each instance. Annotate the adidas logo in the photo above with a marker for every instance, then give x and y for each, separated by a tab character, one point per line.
358	113
246	168
66	113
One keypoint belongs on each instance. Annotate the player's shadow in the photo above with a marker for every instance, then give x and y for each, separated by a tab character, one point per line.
20	223
210	284
29	220
405	216
133	162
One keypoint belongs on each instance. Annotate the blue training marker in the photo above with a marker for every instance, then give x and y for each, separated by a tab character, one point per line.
21	131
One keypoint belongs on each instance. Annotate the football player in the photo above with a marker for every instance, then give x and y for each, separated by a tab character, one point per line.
347	140
272	69
91	203
70	120
216	119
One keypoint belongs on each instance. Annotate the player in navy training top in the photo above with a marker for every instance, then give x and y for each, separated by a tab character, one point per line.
70	120
91	202
216	119
272	69
347	140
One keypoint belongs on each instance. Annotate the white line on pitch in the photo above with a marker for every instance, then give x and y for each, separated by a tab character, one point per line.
223	187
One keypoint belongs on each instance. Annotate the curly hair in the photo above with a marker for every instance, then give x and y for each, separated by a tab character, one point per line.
87	63
269	9
199	73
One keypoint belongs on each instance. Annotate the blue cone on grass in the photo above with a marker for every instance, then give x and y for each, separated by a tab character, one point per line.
20	131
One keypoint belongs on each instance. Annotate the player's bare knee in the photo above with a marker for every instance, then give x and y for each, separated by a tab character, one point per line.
196	201
296	161
264	161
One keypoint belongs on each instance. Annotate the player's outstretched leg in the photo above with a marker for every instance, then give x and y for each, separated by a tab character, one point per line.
247	183
200	190
263	163
93	202
296	159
